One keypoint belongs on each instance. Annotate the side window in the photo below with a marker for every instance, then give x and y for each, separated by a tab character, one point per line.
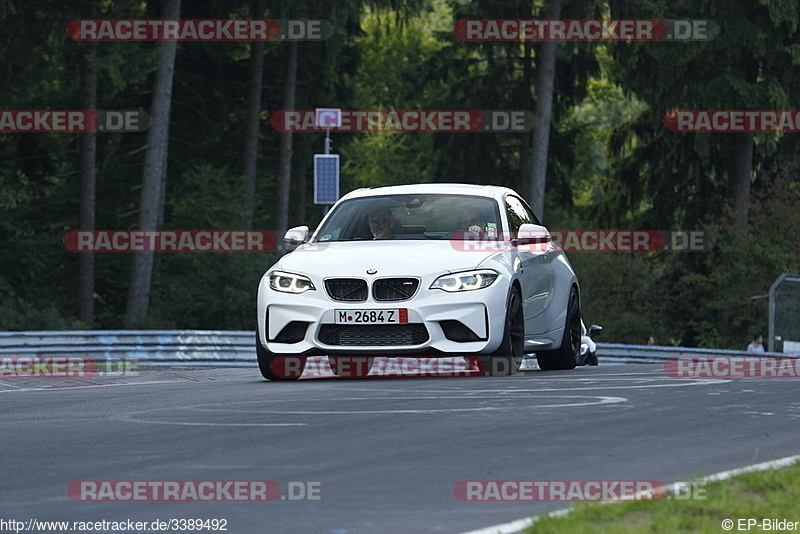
518	213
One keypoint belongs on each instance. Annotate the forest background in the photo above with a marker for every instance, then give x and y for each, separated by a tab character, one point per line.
609	160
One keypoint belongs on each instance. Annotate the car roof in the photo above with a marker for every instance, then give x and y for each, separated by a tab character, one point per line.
489	191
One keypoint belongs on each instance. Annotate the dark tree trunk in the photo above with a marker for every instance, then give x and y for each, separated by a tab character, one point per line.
154	175
253	119
88	173
545	81
285	177
526	102
742	144
741	172
299	186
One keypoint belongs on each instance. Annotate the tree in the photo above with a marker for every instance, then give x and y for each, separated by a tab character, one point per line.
253	119
285	176
154	176
751	64
88	171
545	81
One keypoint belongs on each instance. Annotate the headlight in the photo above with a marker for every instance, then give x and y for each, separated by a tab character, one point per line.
466	281
289	283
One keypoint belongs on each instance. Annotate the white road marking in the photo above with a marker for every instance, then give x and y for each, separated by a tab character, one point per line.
67	388
669	383
603	400
130	418
144	417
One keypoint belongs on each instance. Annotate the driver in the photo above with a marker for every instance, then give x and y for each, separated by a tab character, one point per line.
471	220
381	224
475	221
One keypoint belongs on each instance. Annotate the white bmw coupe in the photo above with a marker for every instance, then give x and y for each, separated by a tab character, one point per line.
420	270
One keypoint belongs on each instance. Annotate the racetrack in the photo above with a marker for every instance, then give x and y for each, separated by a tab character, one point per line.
386	452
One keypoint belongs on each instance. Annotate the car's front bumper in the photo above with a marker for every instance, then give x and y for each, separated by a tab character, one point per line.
434	319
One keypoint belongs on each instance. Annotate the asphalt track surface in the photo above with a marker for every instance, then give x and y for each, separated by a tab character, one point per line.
386	452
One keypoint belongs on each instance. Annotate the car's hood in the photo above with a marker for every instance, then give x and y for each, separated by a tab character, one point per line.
389	258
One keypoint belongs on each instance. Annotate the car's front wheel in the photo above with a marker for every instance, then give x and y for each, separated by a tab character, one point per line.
568	354
507	359
278	366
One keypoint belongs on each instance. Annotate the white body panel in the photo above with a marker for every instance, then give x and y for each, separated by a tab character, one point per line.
542	273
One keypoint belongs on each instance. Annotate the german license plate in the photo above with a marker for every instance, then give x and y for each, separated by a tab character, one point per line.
394	316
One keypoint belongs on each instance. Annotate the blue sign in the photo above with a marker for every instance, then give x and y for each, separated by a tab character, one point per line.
326	178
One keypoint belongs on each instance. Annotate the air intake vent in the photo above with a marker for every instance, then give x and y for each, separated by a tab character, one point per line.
394	289
346	289
373	335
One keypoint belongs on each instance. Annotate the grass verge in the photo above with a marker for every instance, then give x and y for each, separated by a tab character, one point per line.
762	495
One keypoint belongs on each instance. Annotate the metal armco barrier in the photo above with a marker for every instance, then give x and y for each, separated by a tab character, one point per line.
165	347
621	353
237	347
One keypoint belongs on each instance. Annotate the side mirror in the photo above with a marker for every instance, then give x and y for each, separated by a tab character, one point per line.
532	234
296	236
595	330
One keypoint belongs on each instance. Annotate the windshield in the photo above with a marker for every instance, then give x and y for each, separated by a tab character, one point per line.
412	217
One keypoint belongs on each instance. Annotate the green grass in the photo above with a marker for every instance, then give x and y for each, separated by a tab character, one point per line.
771	494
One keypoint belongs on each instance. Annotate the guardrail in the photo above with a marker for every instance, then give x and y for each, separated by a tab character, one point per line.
622	353
237	347
155	347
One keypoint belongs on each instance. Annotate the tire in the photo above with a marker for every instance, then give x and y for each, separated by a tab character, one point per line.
583	358
568	354
350	366
507	359
279	366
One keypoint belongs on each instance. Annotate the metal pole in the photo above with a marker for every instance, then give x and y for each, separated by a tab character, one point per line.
327	151
772	289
